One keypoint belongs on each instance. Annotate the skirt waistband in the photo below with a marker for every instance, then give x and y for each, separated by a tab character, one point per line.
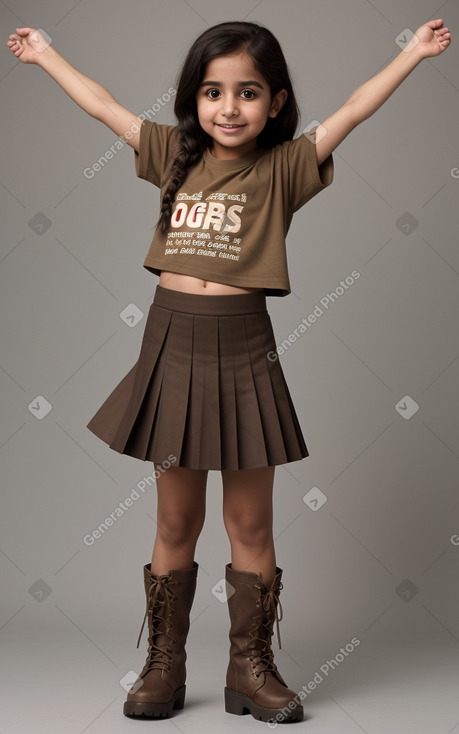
224	305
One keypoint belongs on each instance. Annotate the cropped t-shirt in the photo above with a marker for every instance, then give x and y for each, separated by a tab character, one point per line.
230	217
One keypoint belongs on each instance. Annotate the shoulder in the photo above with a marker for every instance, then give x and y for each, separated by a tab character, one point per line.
159	138
160	131
296	154
303	144
157	146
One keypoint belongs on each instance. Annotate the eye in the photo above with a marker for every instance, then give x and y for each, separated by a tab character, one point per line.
213	93
250	94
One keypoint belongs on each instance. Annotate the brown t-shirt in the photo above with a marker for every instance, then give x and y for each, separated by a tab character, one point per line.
230	217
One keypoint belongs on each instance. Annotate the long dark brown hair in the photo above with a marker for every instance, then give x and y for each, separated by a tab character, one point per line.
268	59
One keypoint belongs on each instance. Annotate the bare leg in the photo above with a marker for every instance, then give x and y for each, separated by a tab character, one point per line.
248	517
181	509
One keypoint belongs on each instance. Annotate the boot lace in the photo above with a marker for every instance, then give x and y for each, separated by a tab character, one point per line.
158	611
262	657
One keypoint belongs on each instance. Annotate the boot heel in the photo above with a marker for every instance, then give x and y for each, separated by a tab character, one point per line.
179	702
234	703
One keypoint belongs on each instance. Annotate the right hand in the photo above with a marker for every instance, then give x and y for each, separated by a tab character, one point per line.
27	44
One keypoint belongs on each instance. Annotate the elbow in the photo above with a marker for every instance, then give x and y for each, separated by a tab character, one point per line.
355	114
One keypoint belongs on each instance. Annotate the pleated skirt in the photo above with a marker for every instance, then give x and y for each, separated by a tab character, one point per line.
207	389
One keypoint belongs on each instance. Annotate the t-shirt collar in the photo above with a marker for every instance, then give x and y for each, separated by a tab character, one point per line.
234	163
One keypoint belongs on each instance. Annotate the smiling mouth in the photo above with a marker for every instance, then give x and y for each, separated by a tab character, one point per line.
229	127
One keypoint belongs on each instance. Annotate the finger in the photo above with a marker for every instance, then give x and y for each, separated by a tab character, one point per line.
443	36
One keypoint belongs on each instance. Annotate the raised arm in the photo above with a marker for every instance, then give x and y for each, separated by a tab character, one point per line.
30	47
431	39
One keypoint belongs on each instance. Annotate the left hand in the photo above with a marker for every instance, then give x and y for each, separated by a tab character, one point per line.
432	38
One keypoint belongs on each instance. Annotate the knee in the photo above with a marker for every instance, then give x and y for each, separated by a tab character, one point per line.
178	528
252	532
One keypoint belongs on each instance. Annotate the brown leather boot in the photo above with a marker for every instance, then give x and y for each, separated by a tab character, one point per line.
253	682
160	687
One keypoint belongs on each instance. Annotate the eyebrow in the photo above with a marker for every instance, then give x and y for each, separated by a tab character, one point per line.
250	83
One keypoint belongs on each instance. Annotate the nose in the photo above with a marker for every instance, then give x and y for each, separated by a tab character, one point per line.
229	105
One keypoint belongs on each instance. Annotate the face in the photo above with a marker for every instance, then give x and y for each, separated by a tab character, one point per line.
234	102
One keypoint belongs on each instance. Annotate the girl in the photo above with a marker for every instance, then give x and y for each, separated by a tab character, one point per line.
205	392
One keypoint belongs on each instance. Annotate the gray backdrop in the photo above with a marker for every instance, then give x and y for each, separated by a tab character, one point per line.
367	527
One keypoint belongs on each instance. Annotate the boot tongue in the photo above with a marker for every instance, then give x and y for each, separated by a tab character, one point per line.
271	604
161	595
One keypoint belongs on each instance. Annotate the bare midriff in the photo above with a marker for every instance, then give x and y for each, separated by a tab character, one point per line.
190	284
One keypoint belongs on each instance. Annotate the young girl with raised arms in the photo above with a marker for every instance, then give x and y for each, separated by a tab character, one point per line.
205	393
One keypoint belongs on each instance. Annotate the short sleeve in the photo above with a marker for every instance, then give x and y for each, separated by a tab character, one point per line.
155	150
305	177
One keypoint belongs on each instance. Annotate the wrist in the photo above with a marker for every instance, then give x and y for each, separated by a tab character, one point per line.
47	57
411	55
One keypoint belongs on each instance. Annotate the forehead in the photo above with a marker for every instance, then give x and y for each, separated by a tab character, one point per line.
232	68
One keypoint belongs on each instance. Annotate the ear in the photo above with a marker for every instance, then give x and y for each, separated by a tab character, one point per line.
278	102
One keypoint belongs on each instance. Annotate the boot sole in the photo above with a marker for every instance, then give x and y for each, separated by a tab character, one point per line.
240	704
149	709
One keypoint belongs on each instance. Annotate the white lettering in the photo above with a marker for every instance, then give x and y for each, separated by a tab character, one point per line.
214	216
232	215
195	216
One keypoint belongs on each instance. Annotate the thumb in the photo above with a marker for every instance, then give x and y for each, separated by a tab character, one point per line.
434	24
24	31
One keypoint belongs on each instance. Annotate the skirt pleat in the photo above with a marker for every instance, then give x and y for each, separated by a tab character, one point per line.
290	436
203	393
173	383
250	447
201	444
132	435
266	393
227	394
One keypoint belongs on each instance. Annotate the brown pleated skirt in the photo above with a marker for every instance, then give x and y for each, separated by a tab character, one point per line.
205	389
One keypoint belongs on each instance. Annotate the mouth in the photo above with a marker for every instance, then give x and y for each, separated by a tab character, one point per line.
230	127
